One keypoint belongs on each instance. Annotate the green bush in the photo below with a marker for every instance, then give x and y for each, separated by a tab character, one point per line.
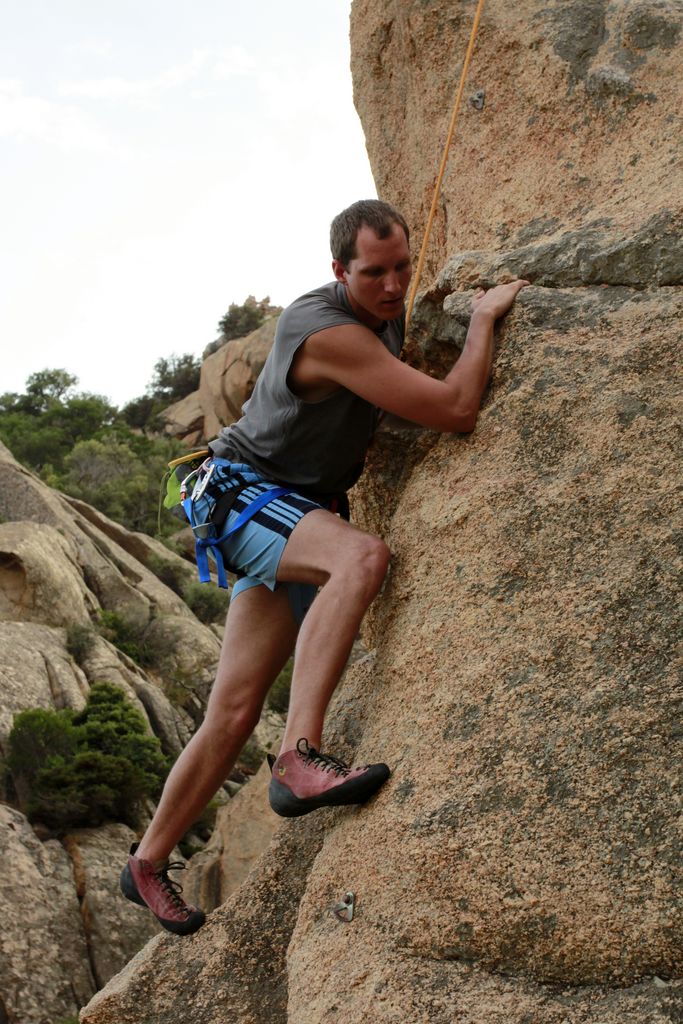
128	637
76	770
79	641
170	573
209	604
278	696
81	444
241	320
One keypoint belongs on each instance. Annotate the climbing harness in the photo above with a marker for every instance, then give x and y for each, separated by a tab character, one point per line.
201	490
171	483
444	160
207	508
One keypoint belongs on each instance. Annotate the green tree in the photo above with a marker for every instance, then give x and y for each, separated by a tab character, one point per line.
143	413
47	387
36	736
41	426
72	770
175	377
241	320
120	475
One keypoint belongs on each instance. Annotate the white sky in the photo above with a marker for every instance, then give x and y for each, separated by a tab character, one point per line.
161	159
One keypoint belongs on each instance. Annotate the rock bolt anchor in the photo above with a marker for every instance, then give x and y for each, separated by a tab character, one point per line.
344	911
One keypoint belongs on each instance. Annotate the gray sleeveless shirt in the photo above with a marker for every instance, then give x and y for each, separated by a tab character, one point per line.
319	446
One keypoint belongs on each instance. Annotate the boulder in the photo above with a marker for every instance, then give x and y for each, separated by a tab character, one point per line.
184	418
226	381
45	974
114	928
228	376
36	672
244	827
40	580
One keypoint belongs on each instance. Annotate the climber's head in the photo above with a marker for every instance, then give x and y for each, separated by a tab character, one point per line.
371	257
373	213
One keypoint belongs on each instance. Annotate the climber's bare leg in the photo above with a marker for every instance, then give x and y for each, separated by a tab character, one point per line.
260	632
350	566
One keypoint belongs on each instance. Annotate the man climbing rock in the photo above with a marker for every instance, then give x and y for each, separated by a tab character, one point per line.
306	576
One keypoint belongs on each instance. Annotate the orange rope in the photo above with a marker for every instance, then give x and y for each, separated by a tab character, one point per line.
444	160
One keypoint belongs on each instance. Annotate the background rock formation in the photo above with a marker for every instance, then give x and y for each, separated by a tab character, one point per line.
226	381
66	930
523	863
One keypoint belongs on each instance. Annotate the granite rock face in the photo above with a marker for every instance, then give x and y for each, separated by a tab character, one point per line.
67	930
36	672
234	968
115	929
61	562
244	827
572	112
523	862
226	381
522	866
45	974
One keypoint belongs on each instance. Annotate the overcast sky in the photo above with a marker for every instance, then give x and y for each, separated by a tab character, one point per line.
160	160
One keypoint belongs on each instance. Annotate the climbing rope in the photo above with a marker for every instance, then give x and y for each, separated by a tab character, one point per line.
444	160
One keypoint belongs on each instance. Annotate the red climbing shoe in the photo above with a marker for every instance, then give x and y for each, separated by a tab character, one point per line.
151	887
304	779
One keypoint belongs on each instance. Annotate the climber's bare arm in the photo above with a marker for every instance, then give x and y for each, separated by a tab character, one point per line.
354	358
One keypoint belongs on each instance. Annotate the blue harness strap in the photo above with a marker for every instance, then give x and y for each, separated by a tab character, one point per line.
205	544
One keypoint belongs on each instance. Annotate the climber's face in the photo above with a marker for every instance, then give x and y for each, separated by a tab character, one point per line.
377	278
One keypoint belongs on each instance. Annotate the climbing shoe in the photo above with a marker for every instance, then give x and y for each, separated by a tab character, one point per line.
151	887
304	779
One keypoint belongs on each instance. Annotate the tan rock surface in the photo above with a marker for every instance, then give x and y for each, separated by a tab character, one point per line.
140	545
115	929
171	724
44	970
233	969
228	376
36	672
61	563
244	827
106	572
184	417
39	578
580	116
226	382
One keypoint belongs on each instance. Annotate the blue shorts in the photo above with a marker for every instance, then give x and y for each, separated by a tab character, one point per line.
254	551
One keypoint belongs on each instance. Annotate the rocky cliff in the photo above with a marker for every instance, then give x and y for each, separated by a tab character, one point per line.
226	381
66	930
522	866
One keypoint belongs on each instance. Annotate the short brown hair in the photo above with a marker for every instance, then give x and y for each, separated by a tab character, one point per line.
374	213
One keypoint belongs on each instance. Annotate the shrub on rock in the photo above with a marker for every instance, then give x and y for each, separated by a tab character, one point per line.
77	770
